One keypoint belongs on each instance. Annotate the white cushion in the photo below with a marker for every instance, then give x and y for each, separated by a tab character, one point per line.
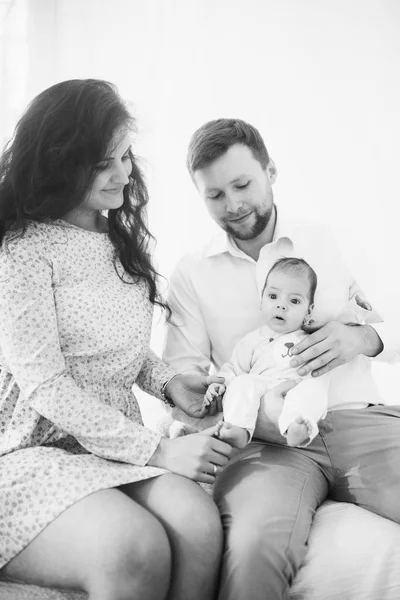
353	554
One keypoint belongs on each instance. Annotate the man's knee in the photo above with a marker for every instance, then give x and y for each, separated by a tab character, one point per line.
264	536
262	553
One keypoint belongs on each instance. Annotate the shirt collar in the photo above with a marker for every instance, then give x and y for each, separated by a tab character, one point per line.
222	242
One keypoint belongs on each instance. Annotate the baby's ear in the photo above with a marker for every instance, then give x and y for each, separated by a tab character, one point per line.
307	319
362	303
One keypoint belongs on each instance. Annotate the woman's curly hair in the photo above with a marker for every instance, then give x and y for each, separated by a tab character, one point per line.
48	167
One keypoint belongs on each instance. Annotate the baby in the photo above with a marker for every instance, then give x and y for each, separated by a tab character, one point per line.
260	361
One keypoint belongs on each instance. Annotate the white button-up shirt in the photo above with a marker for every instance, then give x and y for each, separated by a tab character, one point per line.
215	295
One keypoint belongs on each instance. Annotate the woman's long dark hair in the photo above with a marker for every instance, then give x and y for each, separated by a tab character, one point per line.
49	165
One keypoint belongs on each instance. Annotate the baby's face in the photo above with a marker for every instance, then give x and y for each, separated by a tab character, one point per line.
285	302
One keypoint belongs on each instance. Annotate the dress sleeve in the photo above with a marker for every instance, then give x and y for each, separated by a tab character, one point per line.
187	343
153	374
30	348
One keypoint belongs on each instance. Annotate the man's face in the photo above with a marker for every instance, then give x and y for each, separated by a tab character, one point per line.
237	192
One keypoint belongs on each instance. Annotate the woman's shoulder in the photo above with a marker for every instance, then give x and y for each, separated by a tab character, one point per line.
36	238
26	256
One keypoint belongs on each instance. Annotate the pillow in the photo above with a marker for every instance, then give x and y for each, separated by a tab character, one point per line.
353	554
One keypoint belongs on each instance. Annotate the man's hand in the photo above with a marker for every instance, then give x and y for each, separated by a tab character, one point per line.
187	392
332	344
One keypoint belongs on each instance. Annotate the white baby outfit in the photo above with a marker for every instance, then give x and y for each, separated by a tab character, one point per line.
260	362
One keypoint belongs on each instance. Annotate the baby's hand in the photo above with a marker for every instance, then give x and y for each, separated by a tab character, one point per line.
213	392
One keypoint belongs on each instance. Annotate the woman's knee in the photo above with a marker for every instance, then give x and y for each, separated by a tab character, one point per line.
190	515
200	518
135	563
105	544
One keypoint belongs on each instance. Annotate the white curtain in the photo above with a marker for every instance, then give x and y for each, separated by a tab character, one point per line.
13	63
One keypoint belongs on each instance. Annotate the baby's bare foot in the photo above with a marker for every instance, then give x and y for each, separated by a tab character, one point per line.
298	433
233	435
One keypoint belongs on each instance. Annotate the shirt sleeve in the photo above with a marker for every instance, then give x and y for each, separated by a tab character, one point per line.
384	323
385	328
187	344
31	351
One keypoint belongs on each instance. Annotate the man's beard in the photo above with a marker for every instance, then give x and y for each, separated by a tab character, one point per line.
261	222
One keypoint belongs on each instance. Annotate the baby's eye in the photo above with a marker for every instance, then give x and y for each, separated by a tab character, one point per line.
272	296
215	197
295	301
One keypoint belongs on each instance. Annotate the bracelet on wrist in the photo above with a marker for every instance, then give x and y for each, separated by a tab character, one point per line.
164	396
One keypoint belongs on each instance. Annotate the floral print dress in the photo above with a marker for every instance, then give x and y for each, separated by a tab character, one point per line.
74	338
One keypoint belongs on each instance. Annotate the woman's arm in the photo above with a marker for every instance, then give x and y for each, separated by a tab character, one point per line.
31	351
153	375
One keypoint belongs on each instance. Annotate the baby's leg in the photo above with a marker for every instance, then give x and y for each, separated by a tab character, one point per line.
304	406
241	402
300	432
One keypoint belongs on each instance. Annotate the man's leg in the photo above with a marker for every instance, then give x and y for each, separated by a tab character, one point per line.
364	447
267	499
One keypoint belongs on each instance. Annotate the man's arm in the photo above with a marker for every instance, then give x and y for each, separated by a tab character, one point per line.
335	343
332	344
384	325
187	345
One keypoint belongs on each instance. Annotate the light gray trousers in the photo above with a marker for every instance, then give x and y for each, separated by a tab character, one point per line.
268	493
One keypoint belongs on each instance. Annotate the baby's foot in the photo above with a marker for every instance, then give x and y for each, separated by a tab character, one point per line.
176	429
232	434
299	432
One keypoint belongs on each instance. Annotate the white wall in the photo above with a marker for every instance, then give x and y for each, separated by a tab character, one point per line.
320	79
13	63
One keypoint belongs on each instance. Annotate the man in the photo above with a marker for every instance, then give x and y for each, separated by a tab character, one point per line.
267	495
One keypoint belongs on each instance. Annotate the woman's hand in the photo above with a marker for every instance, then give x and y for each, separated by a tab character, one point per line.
187	391
198	456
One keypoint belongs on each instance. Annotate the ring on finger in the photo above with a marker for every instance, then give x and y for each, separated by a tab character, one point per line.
215	470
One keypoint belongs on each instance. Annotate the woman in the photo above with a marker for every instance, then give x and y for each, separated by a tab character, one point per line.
90	498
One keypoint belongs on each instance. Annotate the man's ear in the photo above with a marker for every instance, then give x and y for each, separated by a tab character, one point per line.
272	171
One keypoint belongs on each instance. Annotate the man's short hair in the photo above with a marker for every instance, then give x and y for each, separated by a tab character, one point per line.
298	266
214	138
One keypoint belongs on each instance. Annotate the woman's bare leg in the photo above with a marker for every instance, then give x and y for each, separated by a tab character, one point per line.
193	525
105	544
